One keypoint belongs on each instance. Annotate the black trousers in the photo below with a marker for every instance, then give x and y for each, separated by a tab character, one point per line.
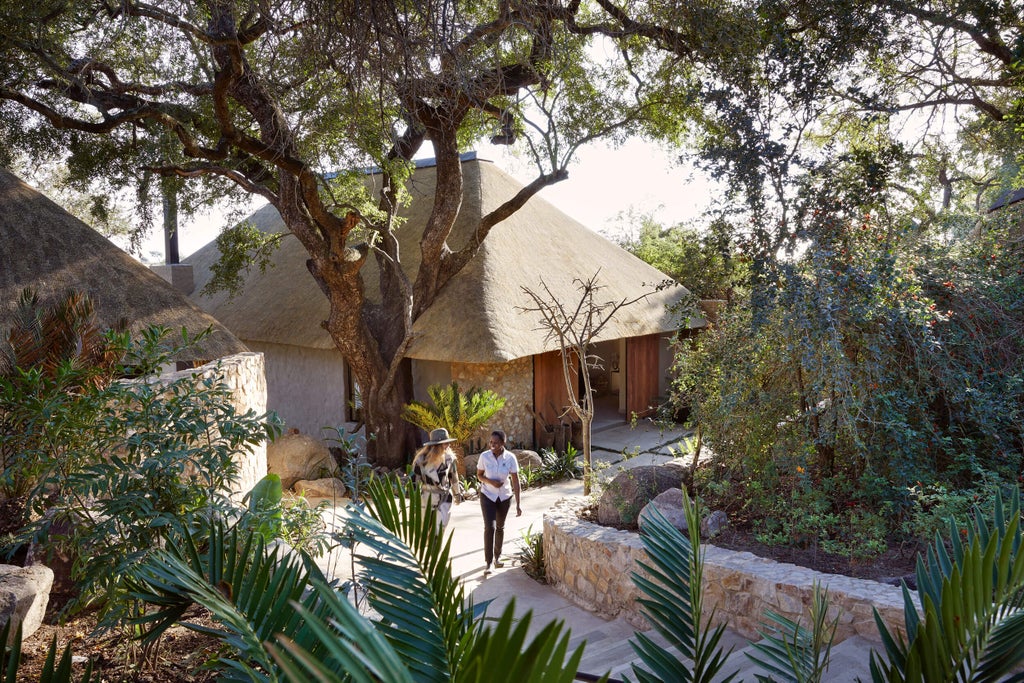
494	525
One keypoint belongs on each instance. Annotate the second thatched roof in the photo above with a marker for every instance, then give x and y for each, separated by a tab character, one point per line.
478	316
45	248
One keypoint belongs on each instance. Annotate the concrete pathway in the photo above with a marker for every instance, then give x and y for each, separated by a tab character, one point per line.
607	646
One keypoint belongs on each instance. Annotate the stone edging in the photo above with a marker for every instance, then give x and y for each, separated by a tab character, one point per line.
592	566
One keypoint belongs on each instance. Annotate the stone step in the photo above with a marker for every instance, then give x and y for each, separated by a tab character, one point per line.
848	663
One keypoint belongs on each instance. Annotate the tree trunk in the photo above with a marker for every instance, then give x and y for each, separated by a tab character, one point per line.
391	441
588	467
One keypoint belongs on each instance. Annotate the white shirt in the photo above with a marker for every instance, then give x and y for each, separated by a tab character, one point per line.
497	468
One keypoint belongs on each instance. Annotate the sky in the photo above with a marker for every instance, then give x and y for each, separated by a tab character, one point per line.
603	183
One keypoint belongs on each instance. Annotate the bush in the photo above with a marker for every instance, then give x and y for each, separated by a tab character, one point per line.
119	465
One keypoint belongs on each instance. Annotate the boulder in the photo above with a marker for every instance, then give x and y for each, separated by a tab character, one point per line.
24	594
327	487
470	460
670	504
528	460
626	495
713	524
297	456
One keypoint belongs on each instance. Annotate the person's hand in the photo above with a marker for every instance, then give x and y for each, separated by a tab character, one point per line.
519	510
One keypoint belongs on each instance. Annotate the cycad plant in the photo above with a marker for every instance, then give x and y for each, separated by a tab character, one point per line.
461	413
44	337
283	621
971	591
673	603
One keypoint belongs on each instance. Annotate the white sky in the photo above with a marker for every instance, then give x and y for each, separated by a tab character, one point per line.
602	183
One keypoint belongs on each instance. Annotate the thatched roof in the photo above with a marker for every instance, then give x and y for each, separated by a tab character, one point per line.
477	317
44	247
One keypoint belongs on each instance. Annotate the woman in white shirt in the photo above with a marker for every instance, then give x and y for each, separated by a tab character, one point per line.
498	473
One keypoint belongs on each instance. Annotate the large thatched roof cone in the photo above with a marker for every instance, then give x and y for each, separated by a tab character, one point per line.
476	317
44	247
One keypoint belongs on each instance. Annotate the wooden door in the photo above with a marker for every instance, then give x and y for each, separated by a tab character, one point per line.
550	396
642	375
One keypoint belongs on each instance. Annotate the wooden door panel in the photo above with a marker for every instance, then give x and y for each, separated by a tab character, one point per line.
642	375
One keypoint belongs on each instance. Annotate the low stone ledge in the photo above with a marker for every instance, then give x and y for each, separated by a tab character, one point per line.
592	566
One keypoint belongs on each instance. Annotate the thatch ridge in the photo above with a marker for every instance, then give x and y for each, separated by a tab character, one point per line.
46	248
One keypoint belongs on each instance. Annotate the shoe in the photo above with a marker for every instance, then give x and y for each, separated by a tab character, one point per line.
487	569
498	564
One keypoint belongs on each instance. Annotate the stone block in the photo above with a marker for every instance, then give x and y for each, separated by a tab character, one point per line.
24	594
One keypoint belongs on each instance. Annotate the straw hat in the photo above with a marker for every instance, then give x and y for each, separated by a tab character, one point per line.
439	436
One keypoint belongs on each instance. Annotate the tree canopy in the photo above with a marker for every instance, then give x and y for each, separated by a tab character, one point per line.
815	113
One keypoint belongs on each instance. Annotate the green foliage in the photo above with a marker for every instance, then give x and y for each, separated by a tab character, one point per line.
866	369
242	247
673	602
461	413
119	465
791	652
51	361
296	523
283	621
702	261
970	625
531	554
561	465
350	454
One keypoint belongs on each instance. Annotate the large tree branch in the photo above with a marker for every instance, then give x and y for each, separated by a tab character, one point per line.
457	260
990	45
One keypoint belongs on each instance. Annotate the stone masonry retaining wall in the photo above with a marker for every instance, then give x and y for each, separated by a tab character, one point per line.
592	566
243	373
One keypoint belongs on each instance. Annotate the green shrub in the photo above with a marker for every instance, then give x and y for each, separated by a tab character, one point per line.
120	465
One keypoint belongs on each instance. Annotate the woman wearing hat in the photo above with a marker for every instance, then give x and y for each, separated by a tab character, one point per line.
434	469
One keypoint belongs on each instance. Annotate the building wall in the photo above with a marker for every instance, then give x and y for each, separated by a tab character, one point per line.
305	386
426	373
666	356
514	382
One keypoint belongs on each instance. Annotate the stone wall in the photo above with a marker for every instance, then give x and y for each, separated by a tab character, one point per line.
514	382
243	374
592	566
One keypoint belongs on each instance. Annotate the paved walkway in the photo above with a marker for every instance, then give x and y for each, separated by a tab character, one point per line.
607	646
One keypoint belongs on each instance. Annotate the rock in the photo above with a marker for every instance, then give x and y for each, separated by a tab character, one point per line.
328	487
626	495
670	504
24	594
297	456
713	524
470	460
528	460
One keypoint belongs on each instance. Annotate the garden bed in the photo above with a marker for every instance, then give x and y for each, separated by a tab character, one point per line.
592	565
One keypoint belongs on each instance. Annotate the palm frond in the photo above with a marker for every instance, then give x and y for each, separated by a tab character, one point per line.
791	652
351	645
504	648
673	604
247	588
971	626
426	614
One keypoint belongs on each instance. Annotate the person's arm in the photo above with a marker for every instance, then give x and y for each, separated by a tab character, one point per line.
515	490
453	474
482	476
